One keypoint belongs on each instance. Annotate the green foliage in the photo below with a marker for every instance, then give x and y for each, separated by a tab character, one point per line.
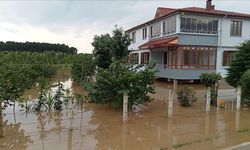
212	80
108	47
59	96
239	65
120	43
102	50
49	100
40	59
83	68
26	106
36	47
186	96
122	77
15	79
245	85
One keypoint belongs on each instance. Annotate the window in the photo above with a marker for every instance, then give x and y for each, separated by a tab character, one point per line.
151	31
144	33
155	30
199	25
236	28
186	57
227	57
144	57
169	26
133	37
198	57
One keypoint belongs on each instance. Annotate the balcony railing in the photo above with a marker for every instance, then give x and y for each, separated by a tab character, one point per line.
199	32
186	67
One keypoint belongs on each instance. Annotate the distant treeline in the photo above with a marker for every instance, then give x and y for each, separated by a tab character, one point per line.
36	47
47	58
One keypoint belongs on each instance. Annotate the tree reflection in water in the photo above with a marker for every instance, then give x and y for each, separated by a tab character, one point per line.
14	138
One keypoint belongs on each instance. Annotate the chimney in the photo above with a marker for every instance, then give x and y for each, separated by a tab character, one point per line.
209	5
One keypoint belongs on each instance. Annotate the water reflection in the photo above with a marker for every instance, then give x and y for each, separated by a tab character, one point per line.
91	126
20	140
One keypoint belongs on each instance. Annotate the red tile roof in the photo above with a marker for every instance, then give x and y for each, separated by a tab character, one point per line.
157	43
161	13
214	12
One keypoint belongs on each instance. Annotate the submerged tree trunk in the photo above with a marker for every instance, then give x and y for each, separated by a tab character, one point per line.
1	120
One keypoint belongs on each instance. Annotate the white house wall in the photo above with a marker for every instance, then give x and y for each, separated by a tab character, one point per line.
233	41
139	41
219	66
229	43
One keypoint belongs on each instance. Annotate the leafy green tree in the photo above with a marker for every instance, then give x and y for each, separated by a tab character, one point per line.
120	43
102	50
122	77
108	47
238	74
211	80
239	65
83	68
36	47
245	83
13	82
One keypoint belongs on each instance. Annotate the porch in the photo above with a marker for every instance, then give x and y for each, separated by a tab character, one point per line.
184	62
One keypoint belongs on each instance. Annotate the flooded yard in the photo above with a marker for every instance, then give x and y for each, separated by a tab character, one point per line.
92	126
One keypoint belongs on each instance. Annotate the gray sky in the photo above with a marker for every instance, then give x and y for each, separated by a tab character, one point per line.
75	22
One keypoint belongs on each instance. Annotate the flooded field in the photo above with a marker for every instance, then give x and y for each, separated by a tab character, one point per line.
92	126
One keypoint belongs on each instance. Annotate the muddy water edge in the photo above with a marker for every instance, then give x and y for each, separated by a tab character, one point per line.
92	126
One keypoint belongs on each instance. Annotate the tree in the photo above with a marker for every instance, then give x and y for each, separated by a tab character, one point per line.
238	75
120	43
36	47
108	47
102	50
211	80
122	77
245	83
13	82
83	68
239	65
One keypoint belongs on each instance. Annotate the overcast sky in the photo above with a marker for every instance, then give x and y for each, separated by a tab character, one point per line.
75	22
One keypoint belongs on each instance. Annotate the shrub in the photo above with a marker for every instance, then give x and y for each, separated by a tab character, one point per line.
111	83
186	96
212	80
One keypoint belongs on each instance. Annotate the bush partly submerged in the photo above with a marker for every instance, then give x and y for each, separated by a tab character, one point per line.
186	96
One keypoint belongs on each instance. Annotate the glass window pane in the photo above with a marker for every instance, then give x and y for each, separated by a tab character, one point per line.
188	25
204	25
193	56
215	25
186	57
194	24
206	56
200	56
199	25
210	26
183	22
212	56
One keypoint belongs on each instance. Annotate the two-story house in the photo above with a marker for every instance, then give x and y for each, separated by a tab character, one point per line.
189	41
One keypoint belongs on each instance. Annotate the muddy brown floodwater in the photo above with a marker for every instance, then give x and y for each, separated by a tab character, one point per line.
99	127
